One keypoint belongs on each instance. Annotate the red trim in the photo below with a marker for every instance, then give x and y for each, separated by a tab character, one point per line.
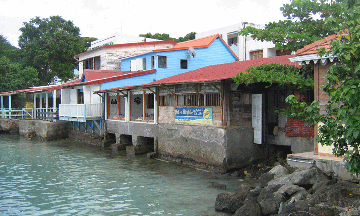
214	72
130	74
128	45
200	46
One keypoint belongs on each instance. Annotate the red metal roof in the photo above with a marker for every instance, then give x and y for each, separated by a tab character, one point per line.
197	43
312	48
92	77
216	72
125	74
100	74
129	45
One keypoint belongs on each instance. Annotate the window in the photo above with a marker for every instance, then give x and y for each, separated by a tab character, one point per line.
213	99
144	63
150	101
164	100
183	64
256	54
194	100
162	62
80	96
152	62
232	41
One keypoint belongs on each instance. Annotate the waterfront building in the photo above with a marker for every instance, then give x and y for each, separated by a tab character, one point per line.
203	118
321	156
120	65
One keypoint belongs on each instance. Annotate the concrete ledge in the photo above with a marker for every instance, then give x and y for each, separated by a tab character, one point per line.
9	125
136	150
44	130
328	164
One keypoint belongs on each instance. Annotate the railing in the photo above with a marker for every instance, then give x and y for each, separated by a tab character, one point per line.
46	113
80	110
17	113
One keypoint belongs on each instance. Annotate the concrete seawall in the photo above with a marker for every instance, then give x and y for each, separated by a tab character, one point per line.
43	130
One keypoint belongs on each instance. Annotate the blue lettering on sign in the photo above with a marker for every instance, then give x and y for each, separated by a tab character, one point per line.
193	114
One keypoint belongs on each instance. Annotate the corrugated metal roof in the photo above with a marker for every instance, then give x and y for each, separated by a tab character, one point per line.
198	43
215	72
312	48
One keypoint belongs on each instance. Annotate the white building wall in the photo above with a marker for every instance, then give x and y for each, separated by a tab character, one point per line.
65	96
119	39
95	98
110	58
245	44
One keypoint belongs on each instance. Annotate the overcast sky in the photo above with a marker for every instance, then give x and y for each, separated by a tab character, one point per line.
100	18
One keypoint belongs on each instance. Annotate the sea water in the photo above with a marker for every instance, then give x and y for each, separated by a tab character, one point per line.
68	178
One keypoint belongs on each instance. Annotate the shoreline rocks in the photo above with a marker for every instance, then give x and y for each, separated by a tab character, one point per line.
302	192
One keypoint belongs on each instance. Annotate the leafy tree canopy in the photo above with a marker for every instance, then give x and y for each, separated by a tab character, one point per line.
14	76
281	74
189	36
339	125
306	21
49	45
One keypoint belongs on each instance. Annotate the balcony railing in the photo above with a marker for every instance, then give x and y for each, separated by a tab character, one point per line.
20	113
46	113
82	111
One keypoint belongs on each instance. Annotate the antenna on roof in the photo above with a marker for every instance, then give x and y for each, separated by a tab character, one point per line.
192	52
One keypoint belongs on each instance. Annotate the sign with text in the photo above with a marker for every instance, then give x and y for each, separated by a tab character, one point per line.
194	115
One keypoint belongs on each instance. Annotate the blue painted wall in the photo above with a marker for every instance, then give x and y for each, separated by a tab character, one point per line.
125	63
138	80
216	53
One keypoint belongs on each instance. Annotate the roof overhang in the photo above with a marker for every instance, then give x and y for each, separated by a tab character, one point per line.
306	59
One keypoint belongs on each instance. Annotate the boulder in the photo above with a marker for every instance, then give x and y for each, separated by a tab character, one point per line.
279	171
265	178
293	207
288	190
228	202
250	208
306	177
271	205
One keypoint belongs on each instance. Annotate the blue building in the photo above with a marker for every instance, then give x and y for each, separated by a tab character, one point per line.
183	57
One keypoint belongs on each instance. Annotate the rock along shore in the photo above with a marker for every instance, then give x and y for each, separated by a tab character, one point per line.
302	192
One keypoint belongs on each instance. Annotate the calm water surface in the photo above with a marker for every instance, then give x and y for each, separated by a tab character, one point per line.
67	178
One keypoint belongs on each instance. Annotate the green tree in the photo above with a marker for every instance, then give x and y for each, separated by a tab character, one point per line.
189	36
49	45
14	76
340	125
306	21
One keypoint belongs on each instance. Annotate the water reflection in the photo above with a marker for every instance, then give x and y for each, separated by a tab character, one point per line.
46	178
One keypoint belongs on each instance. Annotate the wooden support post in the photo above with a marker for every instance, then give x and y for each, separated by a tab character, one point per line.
108	105
156	105
130	105
143	108
118	105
